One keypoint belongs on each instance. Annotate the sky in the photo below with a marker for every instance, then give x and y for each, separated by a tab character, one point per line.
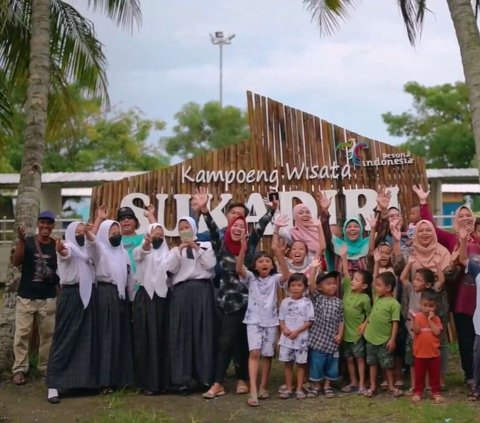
349	78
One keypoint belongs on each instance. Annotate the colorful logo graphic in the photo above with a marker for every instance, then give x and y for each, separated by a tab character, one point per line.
354	150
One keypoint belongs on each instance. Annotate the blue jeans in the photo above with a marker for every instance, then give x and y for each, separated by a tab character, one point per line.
323	366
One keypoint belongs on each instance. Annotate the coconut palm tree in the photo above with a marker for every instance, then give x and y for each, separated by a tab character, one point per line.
329	13
48	44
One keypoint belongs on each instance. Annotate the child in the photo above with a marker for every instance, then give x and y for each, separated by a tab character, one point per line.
412	291
381	332
296	315
261	316
383	259
356	308
426	346
326	332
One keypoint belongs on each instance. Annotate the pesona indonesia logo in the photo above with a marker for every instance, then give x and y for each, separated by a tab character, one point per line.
353	151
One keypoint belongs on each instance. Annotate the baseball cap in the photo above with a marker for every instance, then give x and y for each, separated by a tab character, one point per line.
46	214
322	277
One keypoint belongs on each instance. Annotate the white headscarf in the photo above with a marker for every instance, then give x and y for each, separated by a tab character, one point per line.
116	257
85	270
153	276
192	223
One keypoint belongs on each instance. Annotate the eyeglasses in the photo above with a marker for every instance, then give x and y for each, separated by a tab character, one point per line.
125	218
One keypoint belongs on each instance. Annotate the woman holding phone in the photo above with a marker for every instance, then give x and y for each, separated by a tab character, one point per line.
191	309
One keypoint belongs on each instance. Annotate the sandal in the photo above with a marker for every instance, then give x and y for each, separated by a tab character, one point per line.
300	395
285	395
263	394
399	384
19	378
473	396
395	392
328	392
242	387
211	394
313	393
370	393
438	399
361	391
253	402
348	389
416	398
384	386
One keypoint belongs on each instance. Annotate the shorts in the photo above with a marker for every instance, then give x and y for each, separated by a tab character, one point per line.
290	354
354	349
401	340
323	366
378	354
263	339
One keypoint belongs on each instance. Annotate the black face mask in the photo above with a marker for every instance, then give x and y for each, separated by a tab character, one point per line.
80	240
115	240
157	242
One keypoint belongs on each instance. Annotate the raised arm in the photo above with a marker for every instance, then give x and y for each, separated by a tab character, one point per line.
200	198
316	264
462	247
279	251
405	275
240	264
19	255
343	256
372	221
150	214
324	204
381	227
100	215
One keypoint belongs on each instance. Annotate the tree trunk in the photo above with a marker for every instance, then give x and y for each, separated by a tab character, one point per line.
29	187
468	38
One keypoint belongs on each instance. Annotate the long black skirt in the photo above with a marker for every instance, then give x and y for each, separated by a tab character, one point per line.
73	362
115	363
191	332
149	341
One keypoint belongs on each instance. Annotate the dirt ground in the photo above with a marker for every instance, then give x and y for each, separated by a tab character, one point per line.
27	404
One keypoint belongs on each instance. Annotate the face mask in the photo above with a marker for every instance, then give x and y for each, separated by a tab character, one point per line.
157	242
115	240
80	240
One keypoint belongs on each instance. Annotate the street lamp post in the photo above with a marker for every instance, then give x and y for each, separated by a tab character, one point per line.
218	38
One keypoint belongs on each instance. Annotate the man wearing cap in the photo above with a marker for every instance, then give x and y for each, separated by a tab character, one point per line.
36	297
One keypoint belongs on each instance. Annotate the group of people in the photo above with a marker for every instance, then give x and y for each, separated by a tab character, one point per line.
132	311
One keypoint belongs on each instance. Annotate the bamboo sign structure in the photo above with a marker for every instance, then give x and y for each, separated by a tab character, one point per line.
290	151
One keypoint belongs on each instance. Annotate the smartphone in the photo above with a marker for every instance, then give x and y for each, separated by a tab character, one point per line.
273	196
186	235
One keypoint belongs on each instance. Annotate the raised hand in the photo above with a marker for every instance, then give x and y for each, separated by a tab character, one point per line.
396	233
372	221
323	200
102	212
200	199
89	231
21	233
343	251
377	255
149	211
316	262
421	193
383	198
60	247
462	233
412	259
314	222
147	242
281	220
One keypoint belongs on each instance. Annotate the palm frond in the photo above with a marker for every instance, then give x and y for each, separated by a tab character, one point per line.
329	13
6	108
125	13
413	14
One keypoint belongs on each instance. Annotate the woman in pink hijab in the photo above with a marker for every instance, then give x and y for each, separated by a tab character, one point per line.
307	230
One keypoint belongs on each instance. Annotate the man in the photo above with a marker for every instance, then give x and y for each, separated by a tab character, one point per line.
36	296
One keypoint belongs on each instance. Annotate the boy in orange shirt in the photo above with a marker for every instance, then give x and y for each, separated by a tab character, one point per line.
427	328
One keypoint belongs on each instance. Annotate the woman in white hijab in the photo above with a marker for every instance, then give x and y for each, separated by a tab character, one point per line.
149	312
113	313
191	309
72	361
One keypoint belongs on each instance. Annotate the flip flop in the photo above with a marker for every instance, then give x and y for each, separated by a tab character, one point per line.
473	396
328	393
369	393
263	395
395	392
19	378
253	402
211	394
348	389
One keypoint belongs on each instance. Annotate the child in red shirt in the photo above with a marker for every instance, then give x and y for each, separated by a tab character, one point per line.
427	328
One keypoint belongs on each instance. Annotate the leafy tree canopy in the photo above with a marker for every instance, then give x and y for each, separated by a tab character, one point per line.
116	140
439	126
200	129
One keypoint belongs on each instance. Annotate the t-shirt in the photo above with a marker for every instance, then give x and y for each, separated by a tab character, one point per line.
32	285
425	343
262	299
295	313
356	308
328	317
130	242
385	311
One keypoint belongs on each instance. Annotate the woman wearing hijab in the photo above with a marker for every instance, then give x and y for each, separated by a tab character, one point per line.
462	290
72	361
191	309
114	349
149	312
357	245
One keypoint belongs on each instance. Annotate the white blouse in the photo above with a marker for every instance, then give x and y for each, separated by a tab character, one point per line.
183	268
68	270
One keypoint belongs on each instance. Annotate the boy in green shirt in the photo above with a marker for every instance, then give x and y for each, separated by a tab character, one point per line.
381	332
